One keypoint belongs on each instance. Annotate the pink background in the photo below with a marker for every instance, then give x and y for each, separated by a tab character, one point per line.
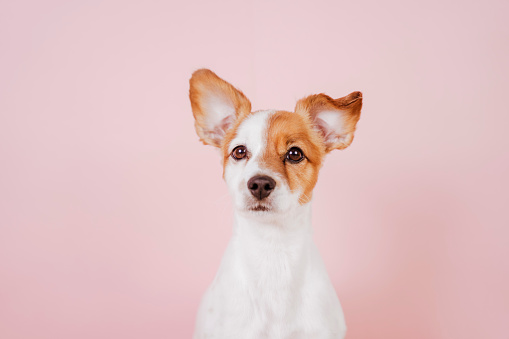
113	217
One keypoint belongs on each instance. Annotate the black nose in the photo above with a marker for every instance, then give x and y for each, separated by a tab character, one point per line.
261	186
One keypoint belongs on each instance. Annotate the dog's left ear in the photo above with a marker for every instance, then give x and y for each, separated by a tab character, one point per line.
335	119
216	105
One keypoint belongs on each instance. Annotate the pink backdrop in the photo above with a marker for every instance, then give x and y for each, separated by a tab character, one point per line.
113	217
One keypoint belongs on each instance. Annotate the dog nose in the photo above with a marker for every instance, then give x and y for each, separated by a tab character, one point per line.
261	186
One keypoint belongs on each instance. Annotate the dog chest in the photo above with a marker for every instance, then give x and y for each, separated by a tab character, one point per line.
270	297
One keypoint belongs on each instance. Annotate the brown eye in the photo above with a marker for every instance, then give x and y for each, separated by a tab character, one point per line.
295	155
239	152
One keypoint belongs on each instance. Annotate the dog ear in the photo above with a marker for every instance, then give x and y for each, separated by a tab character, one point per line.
216	104
335	119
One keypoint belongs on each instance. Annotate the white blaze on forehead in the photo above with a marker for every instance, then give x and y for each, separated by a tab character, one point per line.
252	133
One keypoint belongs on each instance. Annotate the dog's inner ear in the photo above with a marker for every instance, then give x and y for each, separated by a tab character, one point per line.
216	105
335	119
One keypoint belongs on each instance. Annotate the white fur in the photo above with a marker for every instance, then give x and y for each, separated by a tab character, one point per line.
220	116
218	108
272	283
333	127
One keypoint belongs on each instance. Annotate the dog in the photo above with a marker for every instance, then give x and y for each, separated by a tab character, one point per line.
272	282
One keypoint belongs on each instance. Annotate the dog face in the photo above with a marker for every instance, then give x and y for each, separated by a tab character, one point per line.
271	159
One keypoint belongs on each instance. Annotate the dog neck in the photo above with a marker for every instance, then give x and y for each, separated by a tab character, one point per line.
271	250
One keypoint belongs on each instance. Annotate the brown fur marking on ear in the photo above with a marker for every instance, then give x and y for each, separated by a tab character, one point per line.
348	106
205	85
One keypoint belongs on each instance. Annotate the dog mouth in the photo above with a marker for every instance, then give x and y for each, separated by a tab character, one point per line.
259	208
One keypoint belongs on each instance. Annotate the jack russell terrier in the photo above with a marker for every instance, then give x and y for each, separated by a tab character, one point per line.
272	282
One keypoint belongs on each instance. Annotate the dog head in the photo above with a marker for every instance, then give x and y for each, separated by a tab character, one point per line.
271	159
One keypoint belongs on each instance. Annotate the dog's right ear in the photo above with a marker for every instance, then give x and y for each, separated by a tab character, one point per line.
216	105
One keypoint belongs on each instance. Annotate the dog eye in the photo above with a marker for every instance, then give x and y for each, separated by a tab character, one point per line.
295	155
239	152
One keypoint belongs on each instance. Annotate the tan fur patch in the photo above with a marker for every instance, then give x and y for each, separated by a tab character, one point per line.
284	131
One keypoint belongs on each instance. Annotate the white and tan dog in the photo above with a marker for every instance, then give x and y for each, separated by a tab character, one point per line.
272	282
